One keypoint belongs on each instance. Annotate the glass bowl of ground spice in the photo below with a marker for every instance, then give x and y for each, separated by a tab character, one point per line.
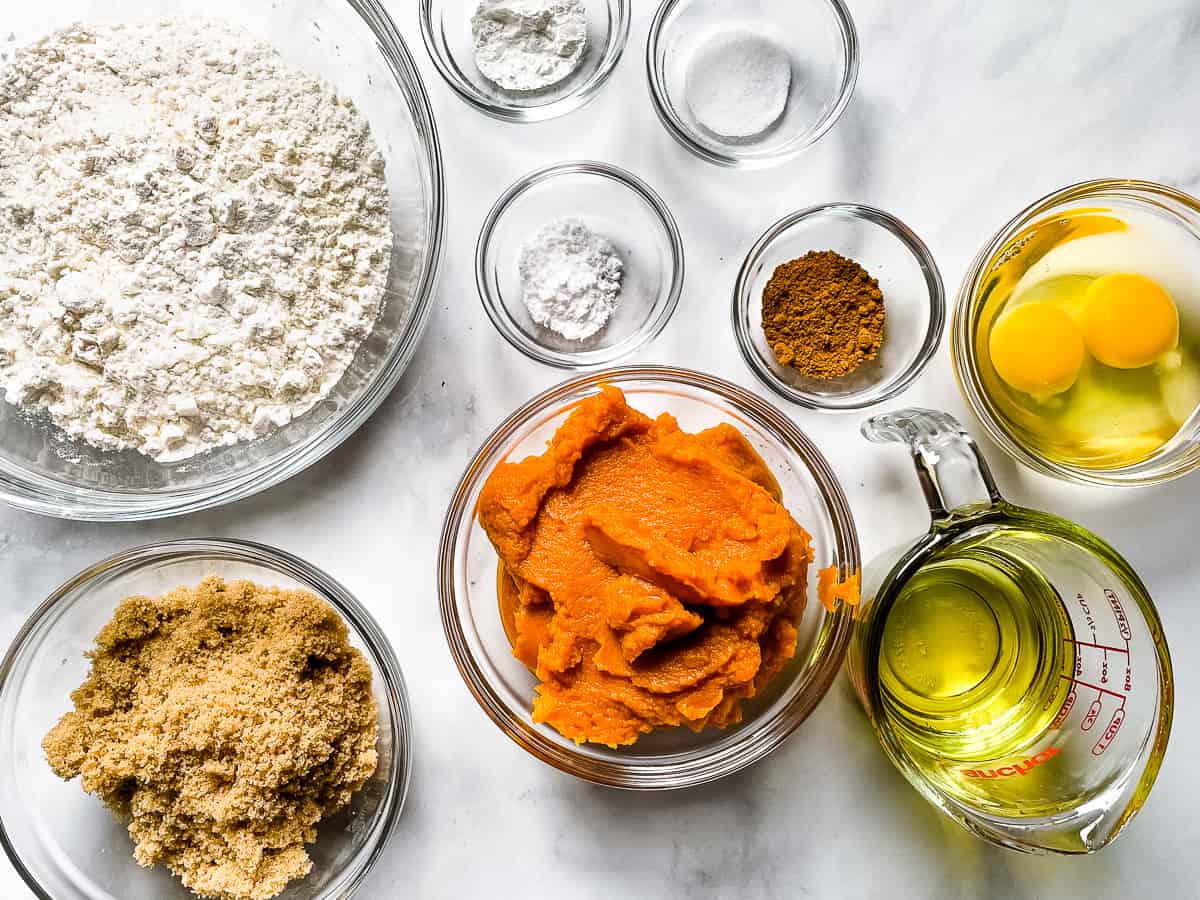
234	697
725	430
751	84
838	307
579	264
525	60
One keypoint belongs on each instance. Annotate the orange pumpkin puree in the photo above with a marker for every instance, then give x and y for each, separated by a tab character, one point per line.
648	577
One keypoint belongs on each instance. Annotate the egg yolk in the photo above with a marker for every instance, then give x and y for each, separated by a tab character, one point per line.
1129	321
1037	348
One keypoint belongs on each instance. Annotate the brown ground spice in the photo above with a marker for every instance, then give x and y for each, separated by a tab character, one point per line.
823	315
223	723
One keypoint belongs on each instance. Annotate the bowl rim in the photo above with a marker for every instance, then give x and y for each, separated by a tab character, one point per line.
707	766
37	493
577	98
678	129
666	302
1142	474
327	588
875	394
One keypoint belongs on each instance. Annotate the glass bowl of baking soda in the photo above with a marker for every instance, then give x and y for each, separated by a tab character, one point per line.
525	60
579	264
751	85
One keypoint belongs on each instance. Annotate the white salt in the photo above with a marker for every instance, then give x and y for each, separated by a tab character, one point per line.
738	84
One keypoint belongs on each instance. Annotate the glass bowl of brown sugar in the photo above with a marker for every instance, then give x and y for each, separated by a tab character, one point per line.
64	842
820	373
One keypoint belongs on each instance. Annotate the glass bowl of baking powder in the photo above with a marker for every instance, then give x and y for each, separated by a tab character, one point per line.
525	60
354	46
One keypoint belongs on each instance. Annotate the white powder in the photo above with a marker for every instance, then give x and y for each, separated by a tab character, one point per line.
529	45
738	84
194	235
572	279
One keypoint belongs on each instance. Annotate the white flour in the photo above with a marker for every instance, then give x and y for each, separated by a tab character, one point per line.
738	84
194	235
529	45
572	279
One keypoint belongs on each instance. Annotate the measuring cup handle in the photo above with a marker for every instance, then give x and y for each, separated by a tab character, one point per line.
952	471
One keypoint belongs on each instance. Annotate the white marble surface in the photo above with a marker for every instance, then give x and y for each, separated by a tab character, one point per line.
964	112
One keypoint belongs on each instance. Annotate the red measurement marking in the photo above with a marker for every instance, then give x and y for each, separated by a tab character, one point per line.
1021	768
1096	687
1110	732
1066	709
1119	612
1097	646
1090	719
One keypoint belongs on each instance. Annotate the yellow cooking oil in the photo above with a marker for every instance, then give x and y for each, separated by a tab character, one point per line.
974	666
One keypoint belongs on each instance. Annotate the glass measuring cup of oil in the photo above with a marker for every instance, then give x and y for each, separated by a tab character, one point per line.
1011	662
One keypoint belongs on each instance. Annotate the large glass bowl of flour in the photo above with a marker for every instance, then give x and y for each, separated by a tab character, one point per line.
355	46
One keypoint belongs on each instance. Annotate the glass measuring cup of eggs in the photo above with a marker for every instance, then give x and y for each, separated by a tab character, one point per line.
1077	335
1011	663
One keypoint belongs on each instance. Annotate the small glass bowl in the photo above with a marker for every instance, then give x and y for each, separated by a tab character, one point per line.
446	27
818	35
615	204
669	758
1016	247
66	844
913	298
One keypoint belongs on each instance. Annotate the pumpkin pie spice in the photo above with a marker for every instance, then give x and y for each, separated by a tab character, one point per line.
823	315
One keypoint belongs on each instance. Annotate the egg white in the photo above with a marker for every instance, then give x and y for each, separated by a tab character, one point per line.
1150	245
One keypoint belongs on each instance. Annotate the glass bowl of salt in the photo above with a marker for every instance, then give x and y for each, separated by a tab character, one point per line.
749	85
579	264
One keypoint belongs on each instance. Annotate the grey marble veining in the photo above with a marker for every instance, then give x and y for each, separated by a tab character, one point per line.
965	111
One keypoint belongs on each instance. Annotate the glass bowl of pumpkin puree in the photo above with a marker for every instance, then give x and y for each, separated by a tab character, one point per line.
679	564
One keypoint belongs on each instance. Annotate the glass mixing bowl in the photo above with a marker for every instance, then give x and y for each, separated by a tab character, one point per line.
818	36
446	27
615	204
1008	255
913	297
669	758
354	45
65	843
